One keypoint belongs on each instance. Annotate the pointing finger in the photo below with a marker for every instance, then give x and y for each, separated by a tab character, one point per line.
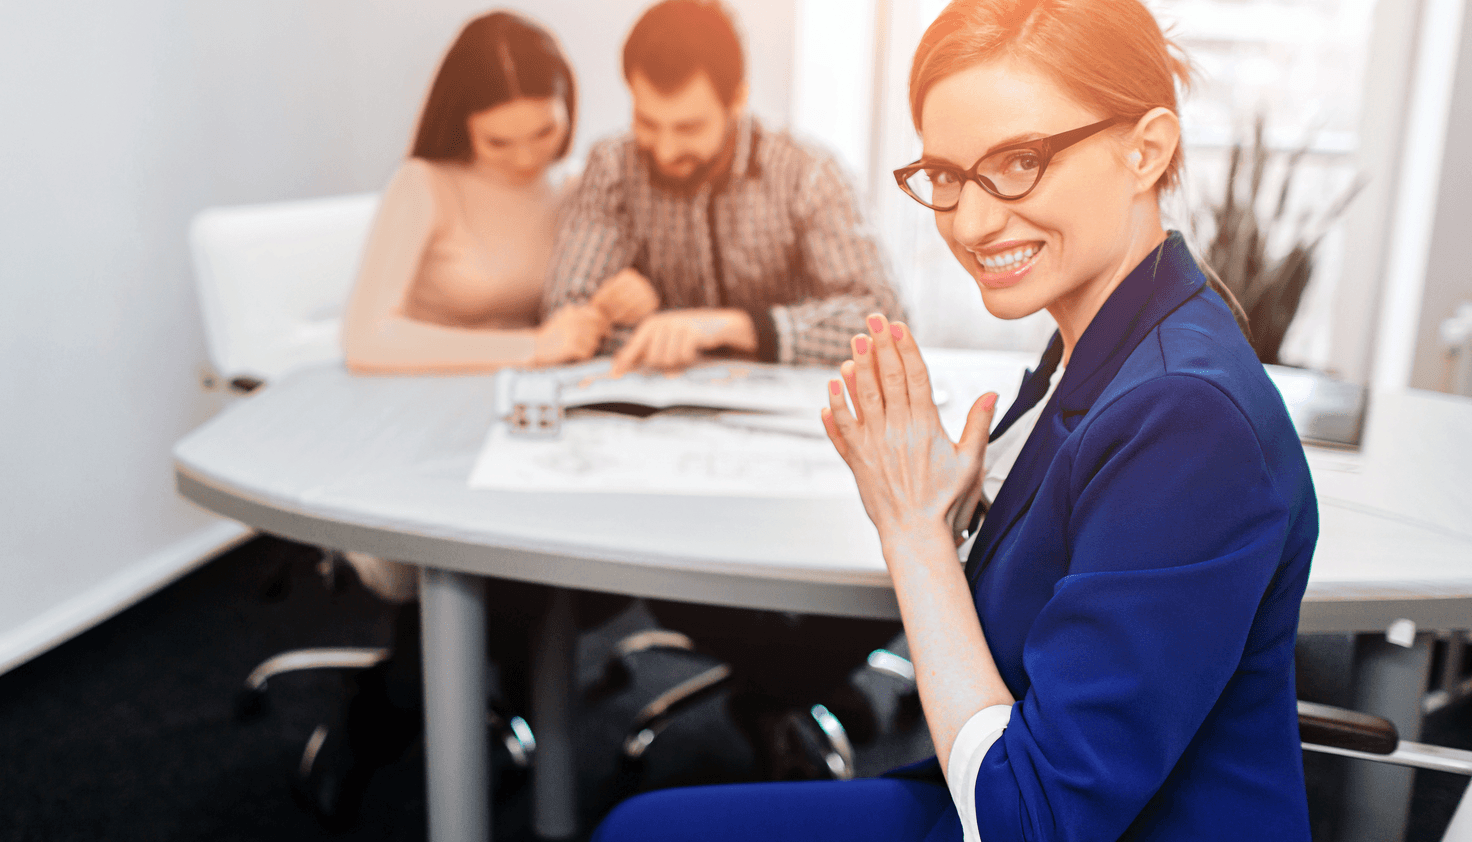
633	351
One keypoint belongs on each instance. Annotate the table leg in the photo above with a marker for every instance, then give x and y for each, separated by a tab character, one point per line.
1389	681
554	776
457	762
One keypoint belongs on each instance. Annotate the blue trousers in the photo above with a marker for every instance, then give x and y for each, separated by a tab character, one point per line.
878	809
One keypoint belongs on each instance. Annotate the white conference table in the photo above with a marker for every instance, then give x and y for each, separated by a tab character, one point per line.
379	465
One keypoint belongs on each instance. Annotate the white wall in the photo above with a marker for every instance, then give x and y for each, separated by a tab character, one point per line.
120	121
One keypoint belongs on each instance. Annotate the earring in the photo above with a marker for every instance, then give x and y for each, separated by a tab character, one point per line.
1135	158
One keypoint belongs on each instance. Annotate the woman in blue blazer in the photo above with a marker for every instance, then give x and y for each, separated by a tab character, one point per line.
1115	658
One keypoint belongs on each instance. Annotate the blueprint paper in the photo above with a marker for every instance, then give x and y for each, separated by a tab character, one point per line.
751	386
772	445
663	454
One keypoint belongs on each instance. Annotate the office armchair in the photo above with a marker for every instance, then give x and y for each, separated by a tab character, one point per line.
1347	733
817	737
1328	730
271	281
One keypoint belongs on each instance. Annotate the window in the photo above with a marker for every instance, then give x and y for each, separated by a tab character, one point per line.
1313	69
1298	65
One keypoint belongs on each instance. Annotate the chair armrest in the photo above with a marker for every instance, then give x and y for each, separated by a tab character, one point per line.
1347	729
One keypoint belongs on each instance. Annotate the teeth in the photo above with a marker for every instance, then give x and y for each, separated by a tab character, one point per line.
1007	260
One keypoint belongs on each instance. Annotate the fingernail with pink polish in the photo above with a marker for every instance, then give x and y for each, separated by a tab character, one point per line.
876	324
896	331
861	344
988	402
834	386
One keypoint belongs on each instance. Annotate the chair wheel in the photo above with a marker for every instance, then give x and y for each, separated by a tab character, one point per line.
806	746
329	782
514	735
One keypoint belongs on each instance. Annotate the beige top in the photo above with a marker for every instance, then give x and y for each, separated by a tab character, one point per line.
452	274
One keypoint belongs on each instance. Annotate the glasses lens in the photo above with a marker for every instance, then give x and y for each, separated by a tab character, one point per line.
1012	171
935	187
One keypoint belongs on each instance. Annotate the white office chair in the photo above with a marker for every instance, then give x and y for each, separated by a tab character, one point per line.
272	281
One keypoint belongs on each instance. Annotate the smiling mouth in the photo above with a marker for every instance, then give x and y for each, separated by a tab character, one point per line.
1008	260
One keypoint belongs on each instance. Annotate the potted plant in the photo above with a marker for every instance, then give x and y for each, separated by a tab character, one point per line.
1268	288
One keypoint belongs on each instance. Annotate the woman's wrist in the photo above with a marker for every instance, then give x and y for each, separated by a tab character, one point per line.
916	541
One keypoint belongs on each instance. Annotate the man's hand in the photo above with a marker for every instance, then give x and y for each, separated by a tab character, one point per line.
626	298
675	339
571	334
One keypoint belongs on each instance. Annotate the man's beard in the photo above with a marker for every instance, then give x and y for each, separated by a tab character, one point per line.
703	172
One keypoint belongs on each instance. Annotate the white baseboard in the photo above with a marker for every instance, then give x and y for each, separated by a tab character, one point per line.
110	596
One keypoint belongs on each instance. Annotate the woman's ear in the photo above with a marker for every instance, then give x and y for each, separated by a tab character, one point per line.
1151	146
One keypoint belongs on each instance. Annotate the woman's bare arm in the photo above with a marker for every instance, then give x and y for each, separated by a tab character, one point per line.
377	336
953	664
915	482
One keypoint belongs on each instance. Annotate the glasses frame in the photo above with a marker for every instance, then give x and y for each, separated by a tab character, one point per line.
1045	147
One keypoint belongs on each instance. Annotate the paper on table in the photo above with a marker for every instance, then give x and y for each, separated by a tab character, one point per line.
781	453
663	454
720	385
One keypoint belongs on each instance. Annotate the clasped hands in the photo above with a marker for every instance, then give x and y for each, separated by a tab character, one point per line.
911	476
669	340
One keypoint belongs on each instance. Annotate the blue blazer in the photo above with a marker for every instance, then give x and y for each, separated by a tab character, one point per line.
1138	579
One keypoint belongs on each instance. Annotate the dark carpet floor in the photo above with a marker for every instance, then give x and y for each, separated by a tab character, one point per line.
129	731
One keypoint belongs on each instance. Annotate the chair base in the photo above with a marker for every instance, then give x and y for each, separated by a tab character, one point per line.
252	701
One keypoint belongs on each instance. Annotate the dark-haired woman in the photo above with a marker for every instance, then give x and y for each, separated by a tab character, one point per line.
1115	659
451	281
452	276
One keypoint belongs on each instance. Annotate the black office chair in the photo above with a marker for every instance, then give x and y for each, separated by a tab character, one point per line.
818	744
1328	730
1347	733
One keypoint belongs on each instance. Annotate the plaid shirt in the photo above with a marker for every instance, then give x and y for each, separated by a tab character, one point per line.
780	237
